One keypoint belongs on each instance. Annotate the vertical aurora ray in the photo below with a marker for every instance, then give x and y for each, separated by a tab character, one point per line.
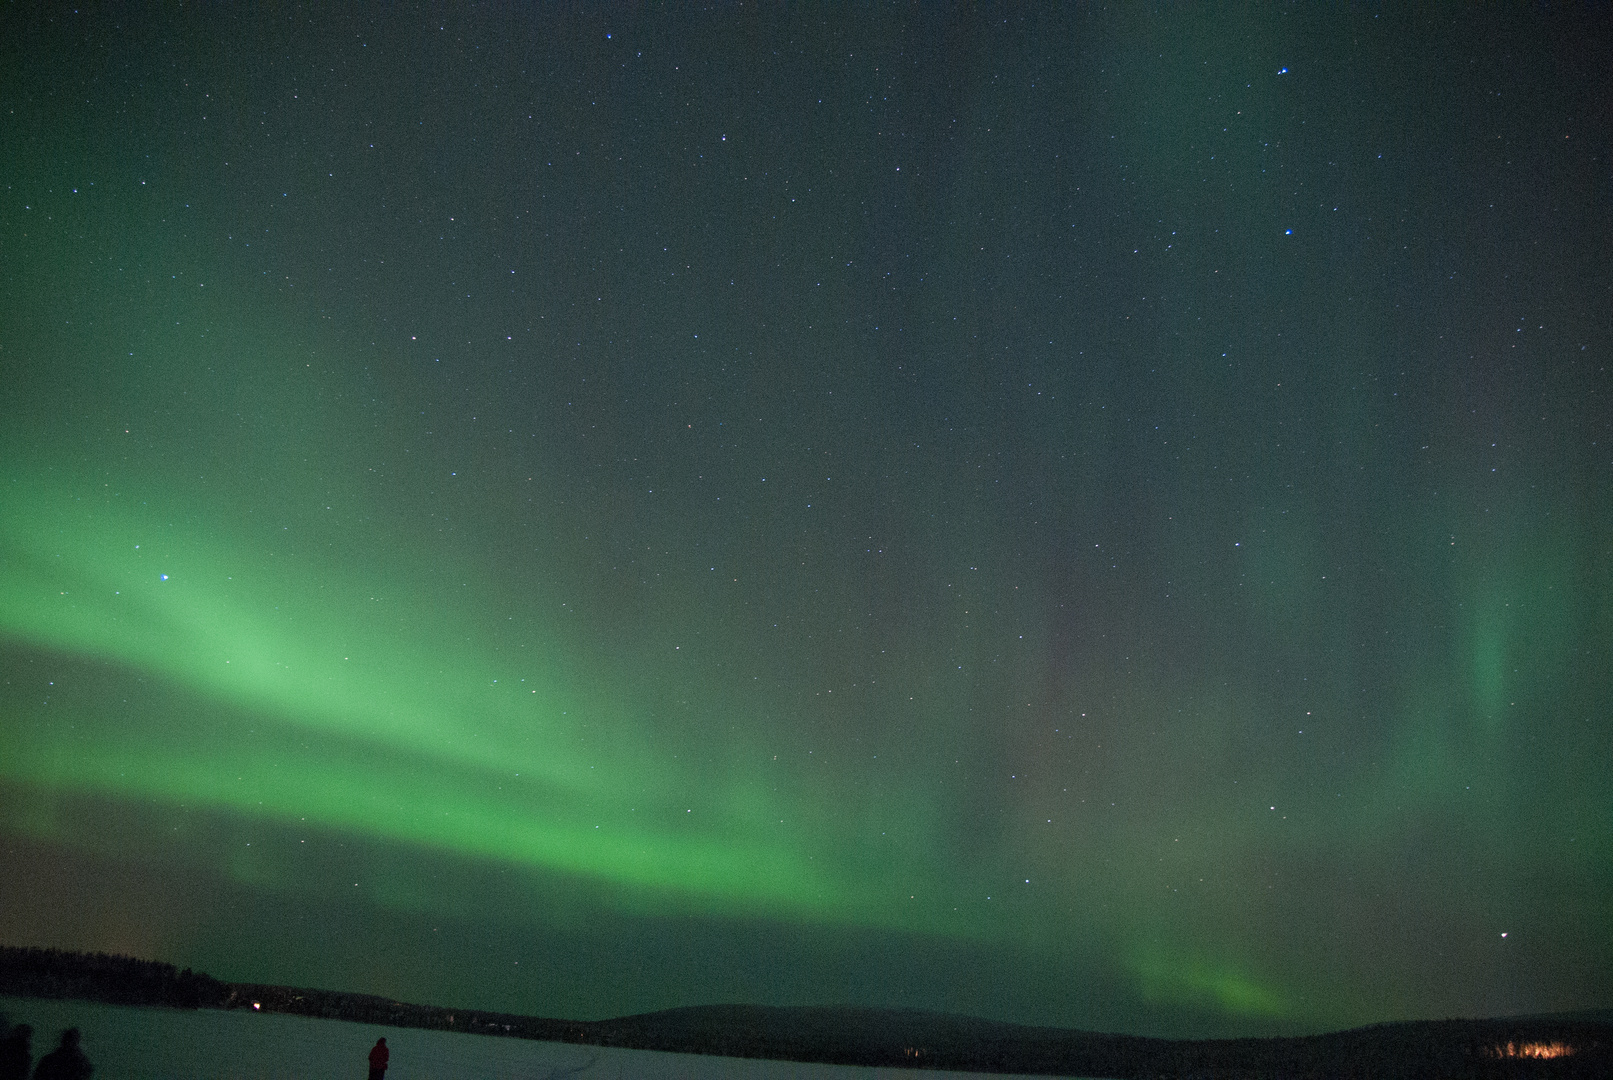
1118	535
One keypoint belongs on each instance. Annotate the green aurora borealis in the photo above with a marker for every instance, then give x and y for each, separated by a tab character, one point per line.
1098	519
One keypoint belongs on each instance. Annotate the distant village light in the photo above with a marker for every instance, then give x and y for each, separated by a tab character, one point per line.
1534	1050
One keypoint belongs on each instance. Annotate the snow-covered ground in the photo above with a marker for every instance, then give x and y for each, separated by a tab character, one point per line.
128	1043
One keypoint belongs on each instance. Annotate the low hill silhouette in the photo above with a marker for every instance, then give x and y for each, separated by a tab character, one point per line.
1568	1045
117	980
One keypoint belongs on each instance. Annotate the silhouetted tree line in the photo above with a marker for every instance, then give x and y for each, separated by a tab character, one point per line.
119	980
1408	1051
1509	1049
371	1009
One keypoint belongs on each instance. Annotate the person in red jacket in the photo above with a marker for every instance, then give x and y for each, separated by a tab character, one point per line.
378	1056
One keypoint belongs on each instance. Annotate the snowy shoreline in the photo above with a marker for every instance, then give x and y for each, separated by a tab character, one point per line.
155	1043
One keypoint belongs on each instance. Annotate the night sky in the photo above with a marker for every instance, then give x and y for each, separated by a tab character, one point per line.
1098	518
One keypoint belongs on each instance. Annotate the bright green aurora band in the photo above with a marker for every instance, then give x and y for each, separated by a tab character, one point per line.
537	542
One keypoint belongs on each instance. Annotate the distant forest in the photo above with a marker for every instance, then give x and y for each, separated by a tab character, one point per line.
1570	1046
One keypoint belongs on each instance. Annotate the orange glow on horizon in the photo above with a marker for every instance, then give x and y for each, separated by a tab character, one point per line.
1534	1050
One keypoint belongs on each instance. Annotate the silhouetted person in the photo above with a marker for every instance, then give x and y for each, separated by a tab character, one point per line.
15	1054
378	1056
66	1062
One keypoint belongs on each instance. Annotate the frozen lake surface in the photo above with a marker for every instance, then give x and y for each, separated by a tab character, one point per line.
133	1043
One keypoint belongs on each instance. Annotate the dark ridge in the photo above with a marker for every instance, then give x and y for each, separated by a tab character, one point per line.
1560	1045
1415	1050
370	1009
119	980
